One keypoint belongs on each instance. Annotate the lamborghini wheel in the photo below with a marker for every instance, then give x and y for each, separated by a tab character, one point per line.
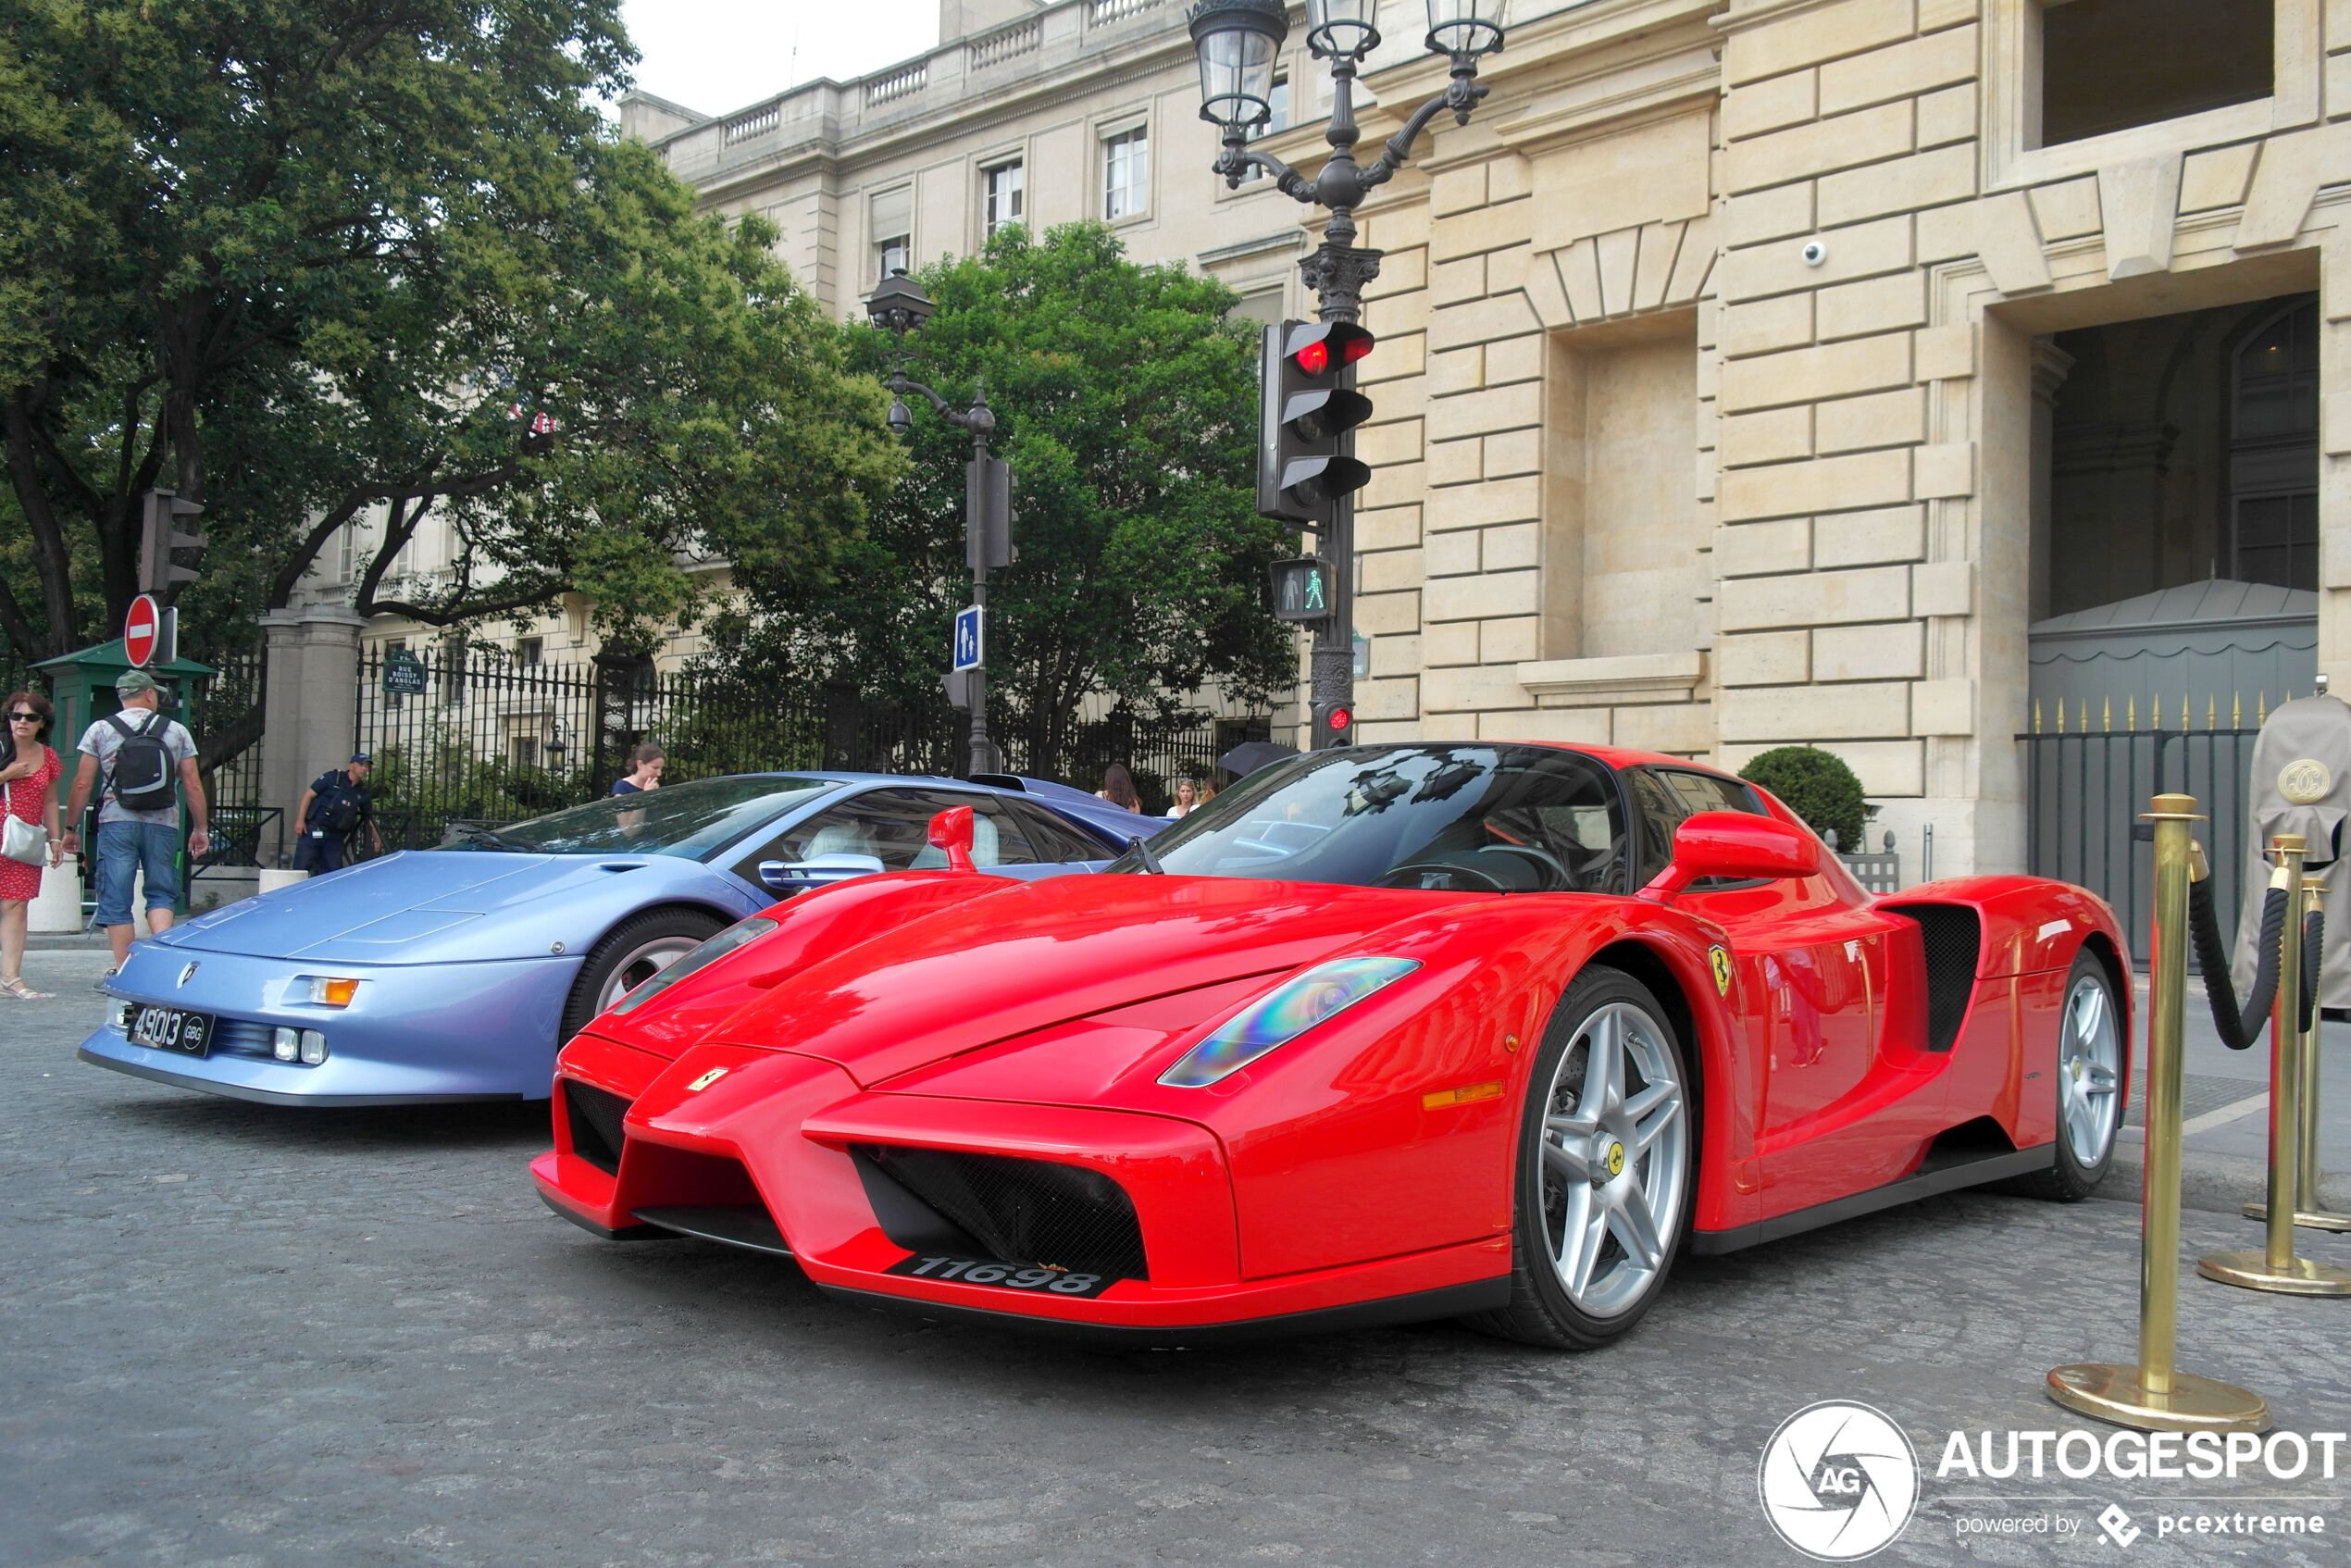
2089	1086
1607	1145
631	953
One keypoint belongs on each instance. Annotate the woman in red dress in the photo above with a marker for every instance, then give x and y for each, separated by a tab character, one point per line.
29	773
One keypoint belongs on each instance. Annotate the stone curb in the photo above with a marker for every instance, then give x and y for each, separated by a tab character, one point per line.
2216	1183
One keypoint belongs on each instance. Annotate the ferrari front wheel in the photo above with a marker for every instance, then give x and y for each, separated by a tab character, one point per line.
1603	1174
2089	1086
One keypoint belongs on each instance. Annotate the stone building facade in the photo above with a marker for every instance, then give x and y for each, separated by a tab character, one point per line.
1722	376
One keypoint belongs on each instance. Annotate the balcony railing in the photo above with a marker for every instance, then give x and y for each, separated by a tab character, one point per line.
754	122
1022	38
1101	12
903	82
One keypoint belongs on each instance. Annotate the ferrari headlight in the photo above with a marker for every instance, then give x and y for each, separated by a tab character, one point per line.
738	935
1282	1014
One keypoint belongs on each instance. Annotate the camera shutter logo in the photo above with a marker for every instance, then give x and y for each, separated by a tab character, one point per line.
1838	1481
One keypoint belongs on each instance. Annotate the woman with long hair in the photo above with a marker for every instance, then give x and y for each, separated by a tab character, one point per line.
29	772
1118	788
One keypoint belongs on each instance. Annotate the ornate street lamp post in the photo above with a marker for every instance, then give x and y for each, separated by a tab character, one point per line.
901	307
1240	43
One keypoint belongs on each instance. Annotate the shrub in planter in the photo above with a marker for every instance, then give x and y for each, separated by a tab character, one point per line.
1818	787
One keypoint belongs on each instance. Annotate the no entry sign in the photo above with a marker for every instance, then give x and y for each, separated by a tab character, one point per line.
142	628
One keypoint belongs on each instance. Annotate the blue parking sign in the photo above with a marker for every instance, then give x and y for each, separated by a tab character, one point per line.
967	638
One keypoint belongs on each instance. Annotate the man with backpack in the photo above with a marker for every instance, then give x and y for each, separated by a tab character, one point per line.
330	813
139	762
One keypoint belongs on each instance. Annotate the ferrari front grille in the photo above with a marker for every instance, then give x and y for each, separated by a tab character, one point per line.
1025	1211
595	1117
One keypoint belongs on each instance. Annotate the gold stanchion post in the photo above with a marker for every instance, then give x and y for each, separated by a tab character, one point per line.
2154	1396
2309	1212
2276	1267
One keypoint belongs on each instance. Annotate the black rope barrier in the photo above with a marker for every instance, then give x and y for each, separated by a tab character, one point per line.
2239	1028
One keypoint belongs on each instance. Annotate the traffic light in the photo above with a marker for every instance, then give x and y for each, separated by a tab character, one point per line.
1334	725
1307	406
159	535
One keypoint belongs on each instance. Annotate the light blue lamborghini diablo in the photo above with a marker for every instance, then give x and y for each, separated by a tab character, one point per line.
456	973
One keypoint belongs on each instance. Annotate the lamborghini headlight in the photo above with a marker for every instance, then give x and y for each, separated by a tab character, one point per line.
738	935
1282	1014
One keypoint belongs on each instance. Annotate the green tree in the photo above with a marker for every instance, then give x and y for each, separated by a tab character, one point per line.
1125	401
1818	787
300	259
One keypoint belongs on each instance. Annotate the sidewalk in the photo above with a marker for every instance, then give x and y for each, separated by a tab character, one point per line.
2225	1150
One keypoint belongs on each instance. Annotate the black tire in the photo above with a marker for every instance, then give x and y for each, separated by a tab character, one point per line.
624	941
1540	1310
2069	1179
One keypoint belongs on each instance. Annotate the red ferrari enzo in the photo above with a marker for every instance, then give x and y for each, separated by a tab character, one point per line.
1386	1033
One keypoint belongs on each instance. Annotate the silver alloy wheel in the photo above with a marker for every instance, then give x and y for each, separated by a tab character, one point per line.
1615	1160
2089	1073
640	964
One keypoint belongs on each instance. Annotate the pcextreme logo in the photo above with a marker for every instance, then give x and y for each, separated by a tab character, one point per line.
1838	1480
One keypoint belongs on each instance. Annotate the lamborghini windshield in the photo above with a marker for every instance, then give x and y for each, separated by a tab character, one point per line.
1469	817
692	821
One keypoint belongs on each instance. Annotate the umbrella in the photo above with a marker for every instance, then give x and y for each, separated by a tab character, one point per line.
1252	755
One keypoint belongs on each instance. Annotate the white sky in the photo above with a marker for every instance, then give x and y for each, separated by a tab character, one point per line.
717	56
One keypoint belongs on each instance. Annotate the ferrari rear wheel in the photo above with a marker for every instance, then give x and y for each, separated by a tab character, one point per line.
631	953
1607	1144
2089	1086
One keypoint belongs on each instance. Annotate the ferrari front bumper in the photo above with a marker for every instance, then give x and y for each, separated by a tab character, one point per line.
726	1138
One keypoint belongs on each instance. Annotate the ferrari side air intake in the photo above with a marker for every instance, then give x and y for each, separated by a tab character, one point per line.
1025	1211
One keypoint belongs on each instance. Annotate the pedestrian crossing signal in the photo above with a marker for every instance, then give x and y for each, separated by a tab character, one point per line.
1303	590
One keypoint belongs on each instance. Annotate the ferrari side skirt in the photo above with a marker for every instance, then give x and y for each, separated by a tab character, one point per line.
273	1097
1946	1170
1421	1306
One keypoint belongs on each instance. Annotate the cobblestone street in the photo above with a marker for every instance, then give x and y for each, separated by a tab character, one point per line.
232	1334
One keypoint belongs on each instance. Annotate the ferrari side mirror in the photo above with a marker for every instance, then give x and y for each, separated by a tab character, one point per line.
1738	846
952	831
817	871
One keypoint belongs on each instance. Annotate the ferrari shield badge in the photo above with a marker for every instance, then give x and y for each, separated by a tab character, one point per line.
2305	782
1722	962
705	1080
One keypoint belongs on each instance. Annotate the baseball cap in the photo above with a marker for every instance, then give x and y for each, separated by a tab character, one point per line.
131	683
362	756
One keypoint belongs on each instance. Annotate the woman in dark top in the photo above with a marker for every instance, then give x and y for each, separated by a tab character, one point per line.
644	771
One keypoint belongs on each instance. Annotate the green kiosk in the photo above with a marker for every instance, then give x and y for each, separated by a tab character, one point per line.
81	685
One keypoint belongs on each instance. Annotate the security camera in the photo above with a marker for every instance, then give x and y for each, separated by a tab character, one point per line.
1815	252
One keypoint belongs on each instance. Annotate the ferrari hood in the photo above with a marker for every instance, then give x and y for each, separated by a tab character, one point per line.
970	975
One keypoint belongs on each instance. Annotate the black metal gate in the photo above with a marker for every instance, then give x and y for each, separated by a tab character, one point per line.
2085	791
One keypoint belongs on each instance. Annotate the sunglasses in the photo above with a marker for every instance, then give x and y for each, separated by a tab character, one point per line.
24	718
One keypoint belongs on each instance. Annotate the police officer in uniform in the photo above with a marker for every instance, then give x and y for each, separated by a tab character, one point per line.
332	810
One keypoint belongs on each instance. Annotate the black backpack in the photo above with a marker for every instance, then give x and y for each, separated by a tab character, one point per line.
143	765
336	809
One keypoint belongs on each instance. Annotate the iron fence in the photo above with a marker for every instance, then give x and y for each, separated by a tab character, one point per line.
2085	788
475	736
247	830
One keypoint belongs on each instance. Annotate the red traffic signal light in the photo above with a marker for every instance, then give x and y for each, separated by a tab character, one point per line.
1304	466
1339	718
1315	345
1334	725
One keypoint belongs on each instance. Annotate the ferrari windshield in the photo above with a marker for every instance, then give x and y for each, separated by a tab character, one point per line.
691	821
1469	817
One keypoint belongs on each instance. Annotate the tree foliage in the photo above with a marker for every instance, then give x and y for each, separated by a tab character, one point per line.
299	259
1126	403
1818	787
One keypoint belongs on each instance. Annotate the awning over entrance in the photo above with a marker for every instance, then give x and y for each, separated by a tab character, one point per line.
2225	650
